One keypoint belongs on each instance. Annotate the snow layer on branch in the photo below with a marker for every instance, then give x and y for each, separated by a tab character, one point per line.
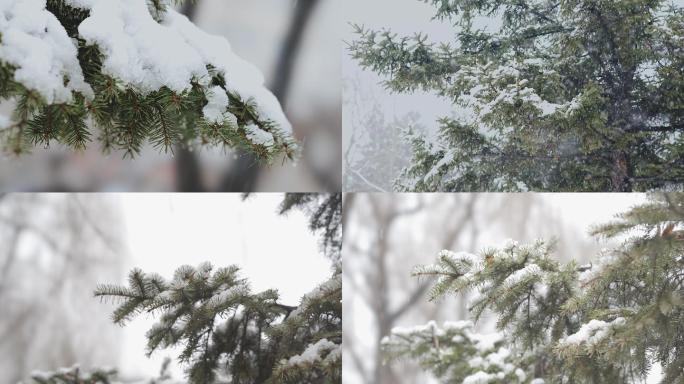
324	289
258	135
138	50
464	257
444	161
44	57
313	352
172	53
431	327
229	294
458	325
83	4
526	94
592	332
481	377
522	274
241	76
217	102
496	359
486	342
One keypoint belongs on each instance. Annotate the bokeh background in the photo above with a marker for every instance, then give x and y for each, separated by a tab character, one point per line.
388	234
296	44
56	248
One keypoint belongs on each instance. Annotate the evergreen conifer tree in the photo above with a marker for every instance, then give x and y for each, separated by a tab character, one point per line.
576	95
606	322
229	334
126	73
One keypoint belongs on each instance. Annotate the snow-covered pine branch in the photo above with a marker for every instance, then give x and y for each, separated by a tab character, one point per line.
138	71
609	321
455	353
224	329
74	375
77	375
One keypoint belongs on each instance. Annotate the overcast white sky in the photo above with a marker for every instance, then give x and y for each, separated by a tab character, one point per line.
164	231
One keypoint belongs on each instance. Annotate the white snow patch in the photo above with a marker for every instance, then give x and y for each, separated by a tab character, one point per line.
258	135
241	77
44	57
217	102
520	374
522	274
510	244
431	327
486	342
466	257
458	325
541	290
444	161
138	50
480	377
592	332
229	294
83	4
313	352
325	288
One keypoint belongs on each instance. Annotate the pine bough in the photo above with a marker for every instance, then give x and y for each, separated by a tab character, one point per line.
609	322
137	70
226	332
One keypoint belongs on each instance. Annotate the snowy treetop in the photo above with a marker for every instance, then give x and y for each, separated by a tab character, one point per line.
549	96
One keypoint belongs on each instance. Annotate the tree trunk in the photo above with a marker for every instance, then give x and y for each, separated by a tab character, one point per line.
620	175
188	171
243	175
290	49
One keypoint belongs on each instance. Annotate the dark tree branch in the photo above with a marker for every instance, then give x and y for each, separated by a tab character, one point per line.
290	49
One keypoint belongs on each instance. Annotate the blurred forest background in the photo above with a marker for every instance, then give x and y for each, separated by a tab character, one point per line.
296	44
56	248
386	235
